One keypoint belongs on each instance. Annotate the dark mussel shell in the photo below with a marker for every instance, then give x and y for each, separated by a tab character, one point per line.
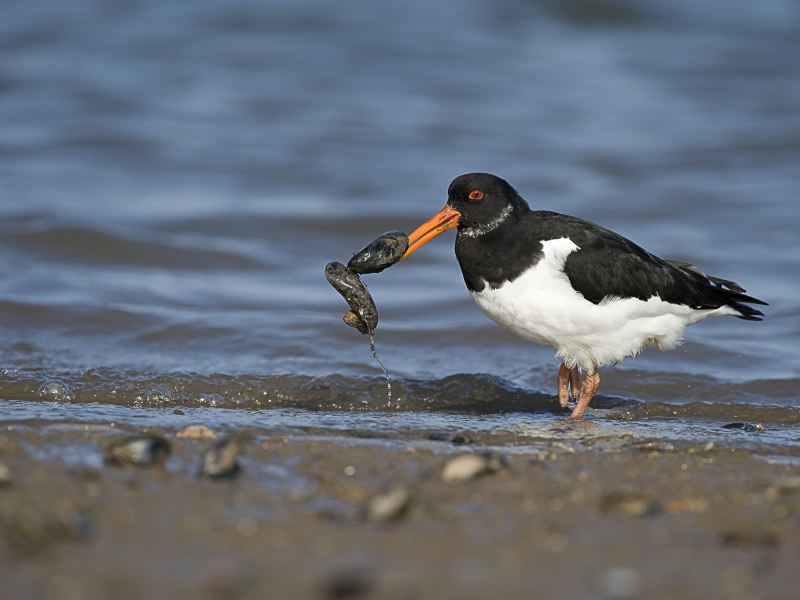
380	253
355	293
221	460
138	450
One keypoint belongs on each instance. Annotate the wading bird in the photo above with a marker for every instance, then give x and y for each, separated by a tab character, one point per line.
591	294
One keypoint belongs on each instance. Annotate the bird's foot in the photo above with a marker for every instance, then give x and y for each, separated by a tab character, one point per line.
563	386
574	383
588	389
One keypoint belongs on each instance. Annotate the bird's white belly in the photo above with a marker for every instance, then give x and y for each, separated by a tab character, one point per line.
541	306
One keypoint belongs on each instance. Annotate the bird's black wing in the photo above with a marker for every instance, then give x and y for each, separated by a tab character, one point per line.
610	265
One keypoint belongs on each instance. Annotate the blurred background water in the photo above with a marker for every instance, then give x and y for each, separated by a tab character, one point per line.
175	175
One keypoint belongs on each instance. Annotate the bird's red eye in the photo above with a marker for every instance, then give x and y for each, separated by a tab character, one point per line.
475	195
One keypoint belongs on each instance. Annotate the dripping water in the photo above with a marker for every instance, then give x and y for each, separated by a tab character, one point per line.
385	372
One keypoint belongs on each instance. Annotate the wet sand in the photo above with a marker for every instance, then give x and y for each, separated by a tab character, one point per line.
594	515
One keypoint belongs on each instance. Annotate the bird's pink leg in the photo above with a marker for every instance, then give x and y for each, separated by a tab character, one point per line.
589	387
563	385
574	382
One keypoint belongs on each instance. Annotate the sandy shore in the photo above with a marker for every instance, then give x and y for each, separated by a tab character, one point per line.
616	517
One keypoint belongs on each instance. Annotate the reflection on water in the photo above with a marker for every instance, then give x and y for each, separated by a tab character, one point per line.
174	177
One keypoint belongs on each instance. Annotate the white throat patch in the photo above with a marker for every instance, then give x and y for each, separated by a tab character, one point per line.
487	227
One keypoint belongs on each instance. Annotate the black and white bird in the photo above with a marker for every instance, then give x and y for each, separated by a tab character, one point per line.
591	294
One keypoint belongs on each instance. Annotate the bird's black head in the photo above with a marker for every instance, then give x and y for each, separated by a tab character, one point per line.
483	200
476	203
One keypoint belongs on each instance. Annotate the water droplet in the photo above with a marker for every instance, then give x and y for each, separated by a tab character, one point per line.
55	391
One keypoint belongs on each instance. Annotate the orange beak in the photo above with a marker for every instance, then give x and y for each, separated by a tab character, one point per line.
445	219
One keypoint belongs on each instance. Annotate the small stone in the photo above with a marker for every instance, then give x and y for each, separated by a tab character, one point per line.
347	583
197	432
388	506
628	502
465	467
749	539
562	447
221	460
457	439
138	450
686	505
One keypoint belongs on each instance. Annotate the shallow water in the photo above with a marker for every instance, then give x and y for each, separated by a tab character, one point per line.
174	178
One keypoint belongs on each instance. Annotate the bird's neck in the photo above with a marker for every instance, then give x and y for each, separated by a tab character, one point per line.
492	253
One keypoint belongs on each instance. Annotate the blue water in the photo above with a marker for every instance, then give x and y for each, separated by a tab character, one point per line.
174	176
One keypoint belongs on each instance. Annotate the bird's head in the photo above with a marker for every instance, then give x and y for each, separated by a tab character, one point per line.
476	203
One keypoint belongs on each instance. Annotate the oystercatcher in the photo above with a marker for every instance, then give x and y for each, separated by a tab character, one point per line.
591	294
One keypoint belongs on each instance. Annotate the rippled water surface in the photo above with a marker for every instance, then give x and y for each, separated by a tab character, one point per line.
174	176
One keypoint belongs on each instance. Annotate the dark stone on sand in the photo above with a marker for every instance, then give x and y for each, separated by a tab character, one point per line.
746	427
347	583
221	460
380	253
457	439
139	450
355	293
629	502
749	539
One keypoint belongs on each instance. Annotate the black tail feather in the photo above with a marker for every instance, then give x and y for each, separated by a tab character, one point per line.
748	313
722	292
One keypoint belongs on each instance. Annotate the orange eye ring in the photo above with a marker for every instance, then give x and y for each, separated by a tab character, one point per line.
475	195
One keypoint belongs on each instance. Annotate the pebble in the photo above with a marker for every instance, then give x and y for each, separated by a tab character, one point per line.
197	432
348	583
465	467
628	502
743	538
138	450
388	506
686	505
221	460
457	439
